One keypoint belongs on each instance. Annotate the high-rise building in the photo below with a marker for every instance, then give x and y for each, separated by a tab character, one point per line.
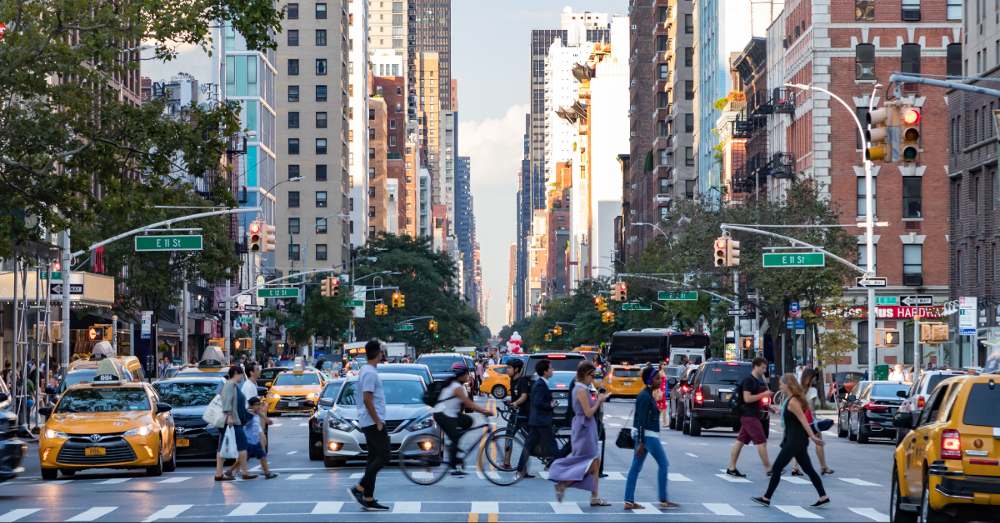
392	89
358	118
313	136
512	284
427	84
448	146
465	224
378	165
387	30
523	222
429	31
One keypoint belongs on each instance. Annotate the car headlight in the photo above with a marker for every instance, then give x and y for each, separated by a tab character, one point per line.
273	396
144	430
341	424
312	396
55	434
423	423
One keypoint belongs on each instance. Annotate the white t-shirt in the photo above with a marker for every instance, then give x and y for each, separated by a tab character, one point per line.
249	389
449	403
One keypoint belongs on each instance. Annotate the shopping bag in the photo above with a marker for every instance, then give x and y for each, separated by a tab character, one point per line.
213	413
228	448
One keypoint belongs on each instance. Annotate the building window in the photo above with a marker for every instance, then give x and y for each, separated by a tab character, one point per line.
293	119
864	10
911	10
666	159
954	61
392	140
864	62
293	225
862	113
320	93
689	122
371	211
689	156
293	67
293	146
862	210
292	37
662	100
862	343
321	172
664	70
292	11
294	171
913	264
320	37
662	13
664	214
293	199
294	252
320	252
908	346
392	124
321	225
664	185
689	56
911	196
689	24
321	11
293	93
661	43
320	145
321	67
689	188
863	256
321	120
910	59
321	199
955	10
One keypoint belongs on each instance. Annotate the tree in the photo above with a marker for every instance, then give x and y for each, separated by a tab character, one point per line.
319	316
837	340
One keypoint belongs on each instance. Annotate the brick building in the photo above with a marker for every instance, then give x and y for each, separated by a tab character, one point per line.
392	90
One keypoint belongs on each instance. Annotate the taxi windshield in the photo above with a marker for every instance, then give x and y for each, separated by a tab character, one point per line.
187	394
79	376
103	400
290	378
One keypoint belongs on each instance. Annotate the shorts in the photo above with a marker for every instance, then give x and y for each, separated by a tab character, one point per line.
256	451
751	431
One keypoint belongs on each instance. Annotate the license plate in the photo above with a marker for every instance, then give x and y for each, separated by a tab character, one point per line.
95	451
183	442
726	395
627	383
293	404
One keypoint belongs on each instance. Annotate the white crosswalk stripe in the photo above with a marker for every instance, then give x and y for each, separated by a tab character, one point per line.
174	479
795	480
328	507
406	507
732	479
647	508
870	513
566	507
247	509
615	476
485	507
859	482
299	477
722	509
92	514
167	512
113	481
292	452
797	512
676	476
691	455
16	514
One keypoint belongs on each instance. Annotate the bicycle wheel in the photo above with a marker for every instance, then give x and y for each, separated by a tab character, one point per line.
499	458
422	459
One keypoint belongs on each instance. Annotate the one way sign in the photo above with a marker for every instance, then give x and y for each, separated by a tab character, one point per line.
920	299
57	288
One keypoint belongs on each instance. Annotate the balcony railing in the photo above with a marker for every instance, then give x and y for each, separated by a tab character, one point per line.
782	165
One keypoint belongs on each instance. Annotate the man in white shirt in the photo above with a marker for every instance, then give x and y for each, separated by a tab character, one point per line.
249	387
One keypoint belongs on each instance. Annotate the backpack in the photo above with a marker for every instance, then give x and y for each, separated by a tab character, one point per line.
433	392
736	400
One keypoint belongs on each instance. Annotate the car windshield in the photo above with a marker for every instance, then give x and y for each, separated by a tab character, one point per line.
439	364
673	372
888	390
331	390
560	362
186	394
293	379
79	376
726	373
626	373
500	369
203	374
103	400
412	371
981	409
269	374
397	392
561	380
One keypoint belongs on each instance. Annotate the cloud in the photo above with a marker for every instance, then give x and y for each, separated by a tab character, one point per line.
495	146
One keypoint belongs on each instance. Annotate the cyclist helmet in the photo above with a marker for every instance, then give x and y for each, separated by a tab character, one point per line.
459	369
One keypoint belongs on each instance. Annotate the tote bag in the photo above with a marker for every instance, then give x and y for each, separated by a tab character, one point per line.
213	413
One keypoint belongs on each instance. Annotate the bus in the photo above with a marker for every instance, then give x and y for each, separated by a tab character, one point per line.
655	345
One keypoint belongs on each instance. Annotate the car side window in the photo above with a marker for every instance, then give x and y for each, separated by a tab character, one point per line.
934	405
949	401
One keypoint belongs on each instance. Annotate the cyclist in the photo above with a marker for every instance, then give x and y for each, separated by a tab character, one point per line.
449	416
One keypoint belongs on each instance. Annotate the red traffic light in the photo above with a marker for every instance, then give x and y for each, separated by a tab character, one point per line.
254	227
911	116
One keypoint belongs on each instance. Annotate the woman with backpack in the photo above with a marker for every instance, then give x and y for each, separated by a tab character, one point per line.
646	426
581	468
451	398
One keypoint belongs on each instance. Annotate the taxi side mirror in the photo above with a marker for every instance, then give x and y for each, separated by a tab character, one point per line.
903	420
326	402
163	407
45	411
902	394
671	383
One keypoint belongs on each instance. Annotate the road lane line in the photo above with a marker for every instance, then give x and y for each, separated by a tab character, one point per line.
492	517
328	507
614	476
299	477
795	480
797	511
247	509
732	479
289	453
16	514
485	507
306	424
275	425
92	513
722	509
473	517
676	476
174	479
859	482
167	512
566	507
692	455
357	475
113	481
544	474
870	513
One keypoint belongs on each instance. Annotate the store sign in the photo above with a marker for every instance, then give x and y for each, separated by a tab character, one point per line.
146	325
860	312
967	312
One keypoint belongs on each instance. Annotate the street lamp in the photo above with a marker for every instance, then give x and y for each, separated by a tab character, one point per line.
653	225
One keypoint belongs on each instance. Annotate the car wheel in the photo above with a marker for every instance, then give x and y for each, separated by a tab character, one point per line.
171	465
50	474
156	470
928	514
68	472
499	392
695	428
897	514
315	448
332	462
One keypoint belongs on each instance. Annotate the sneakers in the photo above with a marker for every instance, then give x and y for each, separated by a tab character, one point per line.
735	473
357	495
821	503
458	472
761	501
374	506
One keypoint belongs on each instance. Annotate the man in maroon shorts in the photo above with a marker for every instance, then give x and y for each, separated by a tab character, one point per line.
753	389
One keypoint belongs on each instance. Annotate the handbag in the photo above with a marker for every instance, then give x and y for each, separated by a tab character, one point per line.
228	448
822	425
213	414
625	440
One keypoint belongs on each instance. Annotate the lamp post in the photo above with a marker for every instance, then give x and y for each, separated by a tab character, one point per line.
654	226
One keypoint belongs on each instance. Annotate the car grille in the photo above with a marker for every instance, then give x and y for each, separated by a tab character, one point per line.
392	448
189	421
393	425
117	450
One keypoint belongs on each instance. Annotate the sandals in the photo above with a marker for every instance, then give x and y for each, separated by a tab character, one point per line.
247	477
598	502
827	471
224	477
631	505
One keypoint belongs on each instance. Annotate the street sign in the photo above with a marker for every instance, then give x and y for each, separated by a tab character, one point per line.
186	242
887	300
404	327
740	312
57	288
633	306
44	275
252	308
874	281
799	323
794	259
919	299
677	296
967	315
355	303
278	292
793	310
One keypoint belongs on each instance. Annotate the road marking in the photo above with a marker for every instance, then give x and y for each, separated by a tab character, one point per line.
289	453
566	507
275	425
357	475
92	513
328	507
247	509
493	517
795	480
485	507
692	455
614	476
175	479
406	507
647	508
473	517
722	509
797	511
859	482
16	514
306	424
167	512
676	476
113	481
544	474
733	479
299	477
870	513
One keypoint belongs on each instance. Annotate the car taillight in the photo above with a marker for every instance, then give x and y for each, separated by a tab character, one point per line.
685	389
951	444
765	401
698	397
921	402
871	407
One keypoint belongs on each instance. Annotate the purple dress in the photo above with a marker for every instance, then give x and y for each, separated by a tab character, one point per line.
583	438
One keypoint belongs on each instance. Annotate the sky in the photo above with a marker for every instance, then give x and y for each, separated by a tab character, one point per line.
490	60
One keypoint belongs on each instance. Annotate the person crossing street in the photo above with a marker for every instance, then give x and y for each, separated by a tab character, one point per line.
752	390
540	430
449	416
371	419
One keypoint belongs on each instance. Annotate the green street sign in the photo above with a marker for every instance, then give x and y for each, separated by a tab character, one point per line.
44	275
355	303
187	242
794	259
677	296
278	292
890	301
633	306
404	327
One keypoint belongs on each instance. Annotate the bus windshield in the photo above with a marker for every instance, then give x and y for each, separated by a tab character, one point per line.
637	347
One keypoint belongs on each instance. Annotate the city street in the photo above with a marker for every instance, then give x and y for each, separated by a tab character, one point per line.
306	491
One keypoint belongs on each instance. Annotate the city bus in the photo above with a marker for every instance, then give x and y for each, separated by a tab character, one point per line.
655	345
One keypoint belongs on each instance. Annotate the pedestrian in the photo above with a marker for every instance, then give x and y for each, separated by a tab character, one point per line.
480	370
646	427
663	394
795	444
257	438
371	419
234	407
581	468
520	390
752	391
103	348
449	416
540	434
812	404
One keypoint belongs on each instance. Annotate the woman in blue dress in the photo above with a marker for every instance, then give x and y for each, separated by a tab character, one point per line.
581	469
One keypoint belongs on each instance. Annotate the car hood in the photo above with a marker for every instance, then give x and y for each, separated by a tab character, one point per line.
195	410
392	412
98	422
295	390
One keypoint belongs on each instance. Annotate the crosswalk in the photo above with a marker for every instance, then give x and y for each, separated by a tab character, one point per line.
252	510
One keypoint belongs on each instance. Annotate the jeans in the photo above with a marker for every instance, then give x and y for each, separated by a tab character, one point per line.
653	448
378	456
801	455
453	427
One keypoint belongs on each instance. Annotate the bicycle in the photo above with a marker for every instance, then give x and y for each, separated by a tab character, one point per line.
424	460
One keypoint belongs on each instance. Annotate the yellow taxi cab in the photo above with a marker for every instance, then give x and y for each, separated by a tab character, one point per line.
107	423
623	380
211	365
83	370
495	381
295	390
948	465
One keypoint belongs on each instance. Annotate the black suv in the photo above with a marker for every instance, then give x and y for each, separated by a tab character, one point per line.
707	405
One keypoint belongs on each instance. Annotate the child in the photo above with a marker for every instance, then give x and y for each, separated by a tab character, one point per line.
255	437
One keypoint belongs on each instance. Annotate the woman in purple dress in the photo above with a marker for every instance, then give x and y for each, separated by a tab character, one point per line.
581	469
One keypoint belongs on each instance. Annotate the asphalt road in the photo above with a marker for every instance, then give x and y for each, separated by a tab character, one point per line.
306	491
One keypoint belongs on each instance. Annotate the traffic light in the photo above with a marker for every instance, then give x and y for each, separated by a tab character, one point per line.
732	253
326	287
381	309
607	317
877	134
620	291
269	240
548	336
887	337
720	250
557	330
600	304
909	120
398	300
432	326
255	236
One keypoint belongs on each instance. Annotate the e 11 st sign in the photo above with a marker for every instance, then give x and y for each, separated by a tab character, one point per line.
278	292
677	296
187	242
794	259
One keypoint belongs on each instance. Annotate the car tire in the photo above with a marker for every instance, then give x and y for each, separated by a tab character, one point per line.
928	514
171	465
499	392
332	462
69	473
156	470
315	449
896	513
50	474
695	429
